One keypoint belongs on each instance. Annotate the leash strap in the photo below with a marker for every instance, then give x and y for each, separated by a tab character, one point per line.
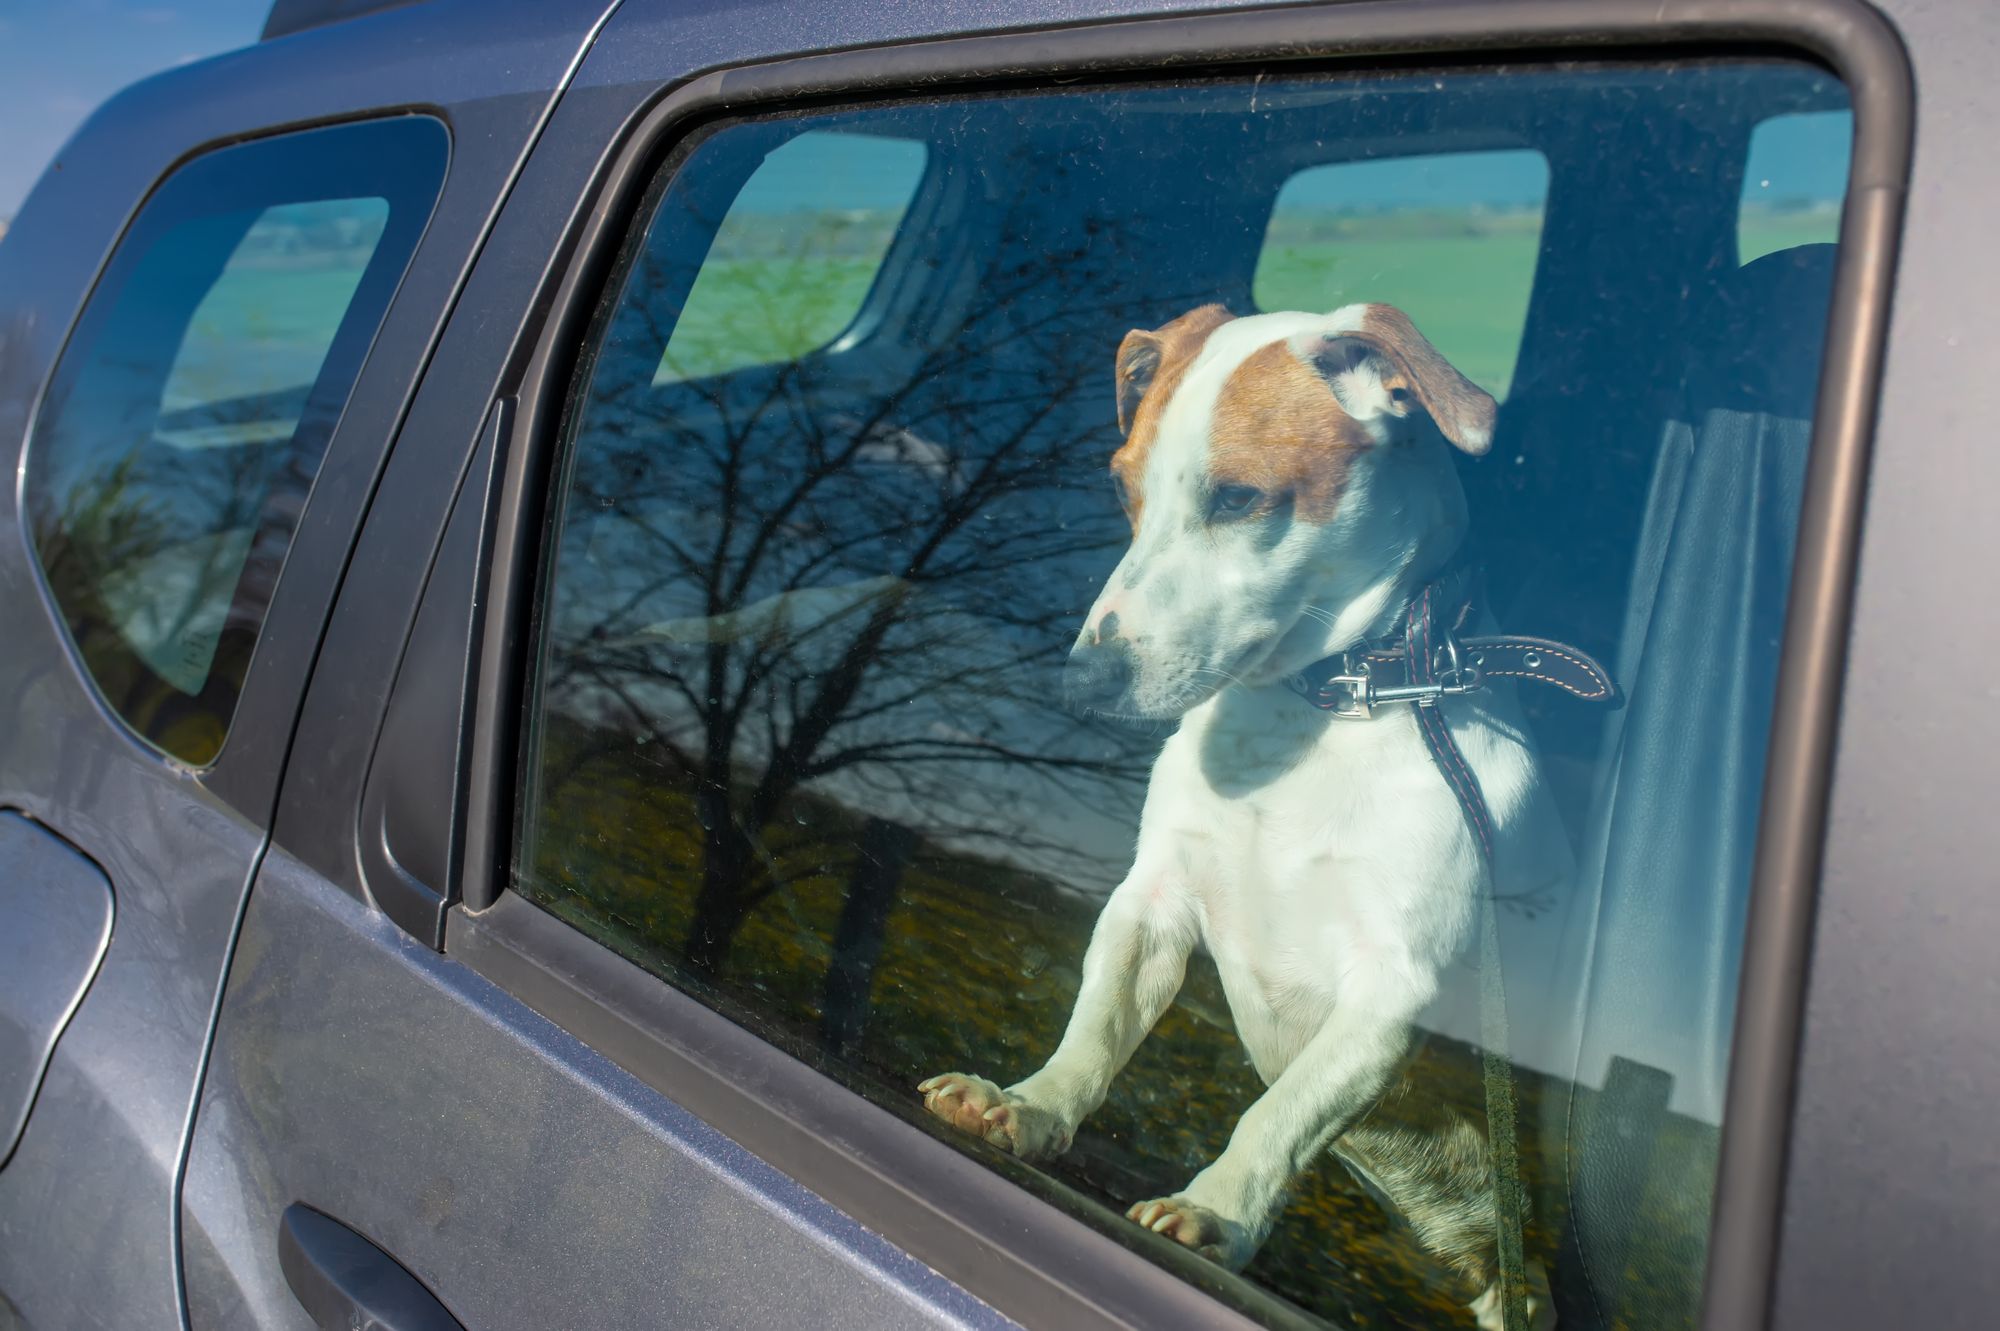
1351	686
1420	669
1496	1069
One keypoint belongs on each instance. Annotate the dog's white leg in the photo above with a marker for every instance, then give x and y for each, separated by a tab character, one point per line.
1131	971
1226	1211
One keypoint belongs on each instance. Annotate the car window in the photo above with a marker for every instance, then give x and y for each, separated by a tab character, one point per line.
796	254
186	419
1449	238
1793	182
1146	715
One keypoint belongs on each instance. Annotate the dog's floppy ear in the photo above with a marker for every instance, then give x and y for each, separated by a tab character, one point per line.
1144	357
1138	362
1378	367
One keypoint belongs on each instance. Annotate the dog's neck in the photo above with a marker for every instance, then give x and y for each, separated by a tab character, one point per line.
1372	613
1251	734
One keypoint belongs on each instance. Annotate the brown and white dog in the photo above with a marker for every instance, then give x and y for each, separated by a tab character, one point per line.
1289	489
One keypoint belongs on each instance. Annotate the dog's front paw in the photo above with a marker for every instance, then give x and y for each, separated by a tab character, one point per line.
976	1105
1214	1236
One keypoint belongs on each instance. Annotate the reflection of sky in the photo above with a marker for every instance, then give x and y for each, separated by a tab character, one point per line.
1507	179
1793	156
1799	157
820	172
60	58
269	319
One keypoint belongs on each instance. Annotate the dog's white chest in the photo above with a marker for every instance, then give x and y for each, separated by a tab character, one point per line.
1330	862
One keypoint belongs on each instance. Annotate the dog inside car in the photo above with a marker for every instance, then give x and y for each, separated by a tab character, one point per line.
1291	495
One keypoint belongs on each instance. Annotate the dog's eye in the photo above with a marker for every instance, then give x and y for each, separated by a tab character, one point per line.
1232	500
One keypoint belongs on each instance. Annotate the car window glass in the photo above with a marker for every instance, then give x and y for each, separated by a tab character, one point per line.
1081	715
1449	238
796	254
187	417
265	327
1794	181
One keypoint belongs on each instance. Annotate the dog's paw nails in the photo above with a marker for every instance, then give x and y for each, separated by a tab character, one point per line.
961	1100
1194	1227
977	1106
1000	1126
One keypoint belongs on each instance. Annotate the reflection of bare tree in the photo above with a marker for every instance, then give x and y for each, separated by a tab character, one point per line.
782	581
158	552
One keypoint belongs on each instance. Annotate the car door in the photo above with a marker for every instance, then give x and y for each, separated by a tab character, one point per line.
825	317
211	328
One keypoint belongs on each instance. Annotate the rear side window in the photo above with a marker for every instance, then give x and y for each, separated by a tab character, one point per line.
1450	238
1793	181
982	713
188	415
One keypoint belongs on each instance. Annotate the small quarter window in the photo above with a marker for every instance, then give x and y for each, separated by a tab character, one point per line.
1793	182
187	417
1450	238
797	253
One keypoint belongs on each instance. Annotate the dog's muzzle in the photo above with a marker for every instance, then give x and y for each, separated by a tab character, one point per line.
1098	676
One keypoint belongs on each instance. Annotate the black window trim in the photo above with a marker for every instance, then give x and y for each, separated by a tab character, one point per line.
1031	1261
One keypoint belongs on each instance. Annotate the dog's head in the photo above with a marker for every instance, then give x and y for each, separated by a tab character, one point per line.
1286	478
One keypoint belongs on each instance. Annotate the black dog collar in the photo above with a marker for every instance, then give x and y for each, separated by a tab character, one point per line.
1428	662
1354	683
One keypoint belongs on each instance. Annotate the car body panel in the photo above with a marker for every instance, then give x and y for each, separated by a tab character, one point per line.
55	922
1889	1191
551	1188
88	1228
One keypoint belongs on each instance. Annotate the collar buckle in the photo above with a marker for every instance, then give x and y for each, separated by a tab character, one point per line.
1353	694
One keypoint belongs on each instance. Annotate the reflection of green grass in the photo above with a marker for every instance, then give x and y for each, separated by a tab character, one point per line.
978	971
1464	280
1468	293
763	311
1761	235
261	329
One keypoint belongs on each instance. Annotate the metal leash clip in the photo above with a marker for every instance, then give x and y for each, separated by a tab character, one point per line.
1353	694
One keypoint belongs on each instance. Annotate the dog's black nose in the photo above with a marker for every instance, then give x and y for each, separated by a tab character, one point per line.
1097	677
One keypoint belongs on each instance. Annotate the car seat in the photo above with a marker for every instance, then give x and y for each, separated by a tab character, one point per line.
1653	941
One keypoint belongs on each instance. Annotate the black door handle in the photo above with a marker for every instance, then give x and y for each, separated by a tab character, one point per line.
347	1283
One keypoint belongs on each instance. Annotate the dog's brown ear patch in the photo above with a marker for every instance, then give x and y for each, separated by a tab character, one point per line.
1279	430
1138	365
1149	367
1160	356
1463	411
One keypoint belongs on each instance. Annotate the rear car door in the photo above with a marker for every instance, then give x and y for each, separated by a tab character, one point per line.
215	306
619	900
